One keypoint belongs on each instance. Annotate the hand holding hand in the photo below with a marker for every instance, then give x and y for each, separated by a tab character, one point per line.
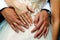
22	10
11	17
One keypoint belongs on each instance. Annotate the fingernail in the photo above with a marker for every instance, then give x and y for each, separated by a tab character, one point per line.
32	31
35	24
23	30
38	37
27	27
44	36
17	31
34	36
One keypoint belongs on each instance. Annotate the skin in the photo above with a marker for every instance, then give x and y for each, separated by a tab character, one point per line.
55	18
41	22
55	21
13	17
41	25
14	20
22	10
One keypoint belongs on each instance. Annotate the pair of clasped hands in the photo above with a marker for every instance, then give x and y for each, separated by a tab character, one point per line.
18	16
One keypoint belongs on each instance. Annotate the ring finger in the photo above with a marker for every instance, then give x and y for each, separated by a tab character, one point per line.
27	18
18	26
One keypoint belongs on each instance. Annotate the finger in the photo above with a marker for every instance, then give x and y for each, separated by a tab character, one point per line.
34	29
22	20
30	9
15	19
25	25
19	27
40	30
46	32
25	19
18	21
38	25
29	18
29	15
36	19
14	28
41	21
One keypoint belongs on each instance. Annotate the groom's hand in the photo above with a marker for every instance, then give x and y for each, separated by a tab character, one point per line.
22	10
41	24
11	17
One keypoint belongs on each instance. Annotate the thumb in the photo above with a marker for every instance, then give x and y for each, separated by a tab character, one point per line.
30	9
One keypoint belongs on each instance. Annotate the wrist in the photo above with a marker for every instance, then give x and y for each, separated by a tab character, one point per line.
5	9
48	12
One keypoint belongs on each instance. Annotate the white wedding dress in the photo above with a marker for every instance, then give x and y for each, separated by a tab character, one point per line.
7	33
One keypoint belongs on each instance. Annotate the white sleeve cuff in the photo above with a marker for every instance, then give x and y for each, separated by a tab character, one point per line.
2	4
47	6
